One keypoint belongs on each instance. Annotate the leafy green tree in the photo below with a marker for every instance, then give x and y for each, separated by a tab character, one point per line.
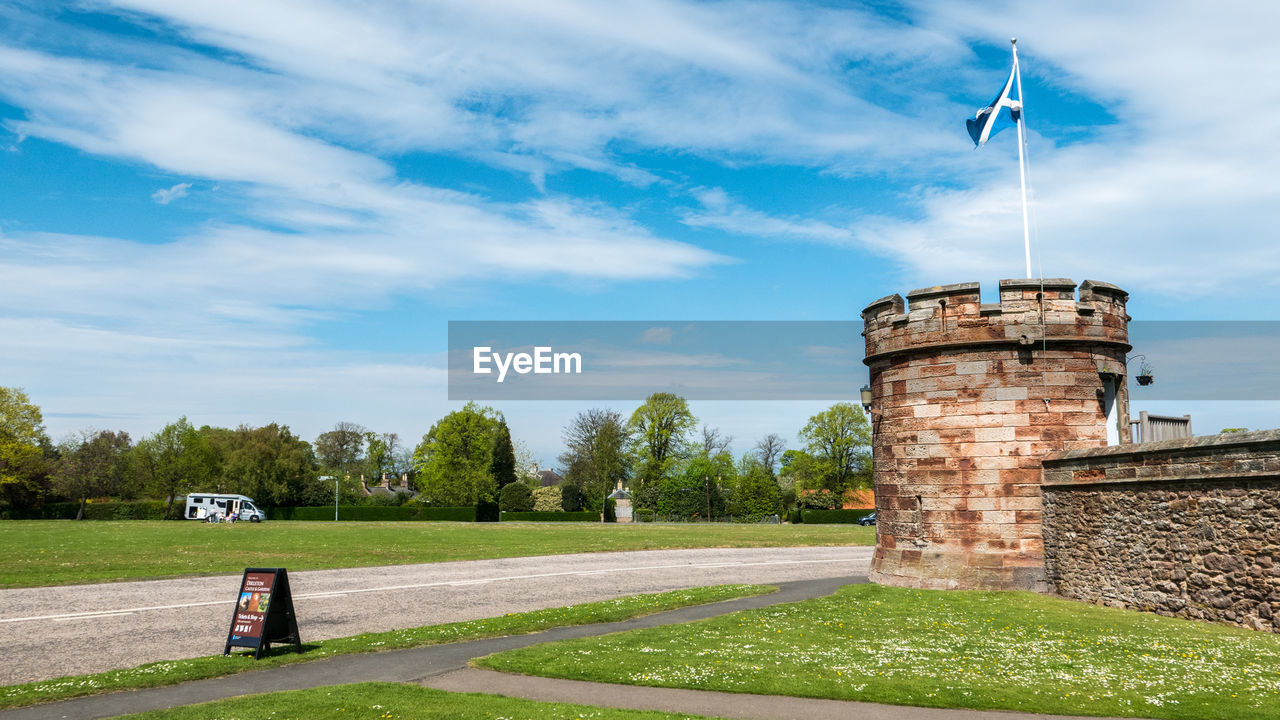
756	493
839	438
516	497
454	458
503	465
176	460
596	454
659	431
269	464
340	450
24	448
90	465
377	457
695	492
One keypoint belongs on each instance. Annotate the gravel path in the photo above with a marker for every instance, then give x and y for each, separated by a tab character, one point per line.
68	630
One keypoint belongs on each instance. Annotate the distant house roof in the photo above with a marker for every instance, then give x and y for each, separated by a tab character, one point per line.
620	495
859	500
547	478
864	499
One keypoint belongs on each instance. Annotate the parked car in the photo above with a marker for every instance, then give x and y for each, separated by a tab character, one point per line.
868	520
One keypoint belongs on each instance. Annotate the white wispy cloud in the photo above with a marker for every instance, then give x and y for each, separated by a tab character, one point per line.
164	196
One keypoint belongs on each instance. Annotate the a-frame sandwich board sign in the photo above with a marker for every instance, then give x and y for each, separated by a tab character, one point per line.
263	613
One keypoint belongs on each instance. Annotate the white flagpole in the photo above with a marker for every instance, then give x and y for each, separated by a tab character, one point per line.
1022	162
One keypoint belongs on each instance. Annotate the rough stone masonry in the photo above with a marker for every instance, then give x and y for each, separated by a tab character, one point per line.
967	398
1189	527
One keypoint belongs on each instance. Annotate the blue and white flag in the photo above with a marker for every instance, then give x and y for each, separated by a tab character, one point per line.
987	121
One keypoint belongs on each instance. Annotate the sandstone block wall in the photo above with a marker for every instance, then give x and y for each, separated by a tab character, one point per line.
967	397
1188	528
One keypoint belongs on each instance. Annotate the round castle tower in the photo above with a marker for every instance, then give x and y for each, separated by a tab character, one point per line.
966	399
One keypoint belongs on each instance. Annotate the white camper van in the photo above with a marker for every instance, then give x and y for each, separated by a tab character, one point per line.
213	507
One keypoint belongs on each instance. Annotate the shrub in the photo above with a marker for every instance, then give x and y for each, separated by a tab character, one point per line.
380	500
488	511
515	497
570	497
547	499
642	515
611	510
562	516
810	517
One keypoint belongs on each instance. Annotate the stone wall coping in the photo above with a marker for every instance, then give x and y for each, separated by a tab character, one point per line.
952	289
1205	442
1161	479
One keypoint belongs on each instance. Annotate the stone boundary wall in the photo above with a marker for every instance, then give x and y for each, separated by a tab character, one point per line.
1187	528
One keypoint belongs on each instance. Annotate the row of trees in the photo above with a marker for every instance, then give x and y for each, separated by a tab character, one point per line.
658	452
268	463
670	466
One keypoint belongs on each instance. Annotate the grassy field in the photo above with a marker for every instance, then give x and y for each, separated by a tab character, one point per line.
61	552
388	701
1012	651
171	672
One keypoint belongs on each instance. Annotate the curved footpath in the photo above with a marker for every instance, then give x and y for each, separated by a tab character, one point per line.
445	667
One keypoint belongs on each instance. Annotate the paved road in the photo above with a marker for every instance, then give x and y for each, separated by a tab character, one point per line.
67	630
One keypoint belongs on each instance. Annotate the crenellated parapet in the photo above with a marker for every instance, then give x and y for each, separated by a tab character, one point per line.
1030	312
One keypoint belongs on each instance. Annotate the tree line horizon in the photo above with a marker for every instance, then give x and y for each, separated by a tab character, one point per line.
669	465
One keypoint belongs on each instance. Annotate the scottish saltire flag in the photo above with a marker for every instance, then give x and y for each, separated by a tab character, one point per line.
990	119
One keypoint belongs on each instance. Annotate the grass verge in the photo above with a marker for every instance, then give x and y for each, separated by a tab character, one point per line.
61	552
1010	651
171	672
389	701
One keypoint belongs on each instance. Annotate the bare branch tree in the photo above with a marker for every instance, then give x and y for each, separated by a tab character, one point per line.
769	448
713	442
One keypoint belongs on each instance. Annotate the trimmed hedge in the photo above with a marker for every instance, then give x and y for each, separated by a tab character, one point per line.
580	516
142	510
358	513
814	517
488	511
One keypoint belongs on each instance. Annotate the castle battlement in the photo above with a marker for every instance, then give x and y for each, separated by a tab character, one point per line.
1030	312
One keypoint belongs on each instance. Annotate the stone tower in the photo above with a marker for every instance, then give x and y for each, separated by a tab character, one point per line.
966	398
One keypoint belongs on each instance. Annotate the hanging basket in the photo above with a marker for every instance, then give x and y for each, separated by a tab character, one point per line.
1145	379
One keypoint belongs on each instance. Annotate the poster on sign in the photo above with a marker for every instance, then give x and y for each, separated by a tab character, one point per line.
264	612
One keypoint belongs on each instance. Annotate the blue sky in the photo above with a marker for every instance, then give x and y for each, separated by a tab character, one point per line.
256	211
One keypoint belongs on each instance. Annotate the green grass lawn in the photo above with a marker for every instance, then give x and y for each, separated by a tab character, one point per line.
60	552
388	701
171	672
1013	651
